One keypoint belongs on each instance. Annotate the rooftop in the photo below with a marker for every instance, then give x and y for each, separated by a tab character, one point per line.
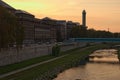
47	18
23	12
84	11
2	3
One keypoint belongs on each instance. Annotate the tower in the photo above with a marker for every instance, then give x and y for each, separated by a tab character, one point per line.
84	27
84	18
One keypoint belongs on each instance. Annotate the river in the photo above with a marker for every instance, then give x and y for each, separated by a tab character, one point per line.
103	68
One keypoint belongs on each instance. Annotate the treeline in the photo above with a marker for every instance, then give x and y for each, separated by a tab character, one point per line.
11	32
82	32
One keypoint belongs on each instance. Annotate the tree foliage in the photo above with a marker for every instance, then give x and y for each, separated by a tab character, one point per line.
91	33
56	50
81	32
78	32
10	30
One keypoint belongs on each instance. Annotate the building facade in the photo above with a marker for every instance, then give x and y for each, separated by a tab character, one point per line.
27	21
61	27
45	30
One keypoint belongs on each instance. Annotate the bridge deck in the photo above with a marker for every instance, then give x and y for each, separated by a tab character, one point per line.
96	39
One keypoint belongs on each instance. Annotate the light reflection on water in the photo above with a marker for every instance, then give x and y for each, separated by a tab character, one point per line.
107	56
94	71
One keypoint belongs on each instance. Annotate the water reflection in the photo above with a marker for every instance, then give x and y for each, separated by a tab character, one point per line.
94	71
106	55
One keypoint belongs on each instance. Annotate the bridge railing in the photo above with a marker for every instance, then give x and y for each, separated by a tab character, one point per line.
95	39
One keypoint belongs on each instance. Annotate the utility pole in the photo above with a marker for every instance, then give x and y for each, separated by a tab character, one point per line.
108	29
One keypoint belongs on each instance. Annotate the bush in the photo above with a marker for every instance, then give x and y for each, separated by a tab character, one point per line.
56	50
88	44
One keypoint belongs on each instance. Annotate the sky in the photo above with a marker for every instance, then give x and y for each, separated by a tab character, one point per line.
101	14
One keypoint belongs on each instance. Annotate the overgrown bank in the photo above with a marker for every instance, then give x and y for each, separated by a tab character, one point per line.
49	70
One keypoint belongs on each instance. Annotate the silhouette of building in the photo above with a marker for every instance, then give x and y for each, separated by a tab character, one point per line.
84	26
44	29
84	18
8	7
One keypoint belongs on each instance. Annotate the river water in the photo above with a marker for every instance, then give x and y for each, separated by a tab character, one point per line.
103	68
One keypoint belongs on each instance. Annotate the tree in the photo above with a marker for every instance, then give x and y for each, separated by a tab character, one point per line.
116	35
19	35
56	50
10	30
75	32
78	32
92	33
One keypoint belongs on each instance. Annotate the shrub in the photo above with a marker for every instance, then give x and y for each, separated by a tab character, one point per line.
56	50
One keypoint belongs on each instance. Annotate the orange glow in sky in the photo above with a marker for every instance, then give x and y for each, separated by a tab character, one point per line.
101	14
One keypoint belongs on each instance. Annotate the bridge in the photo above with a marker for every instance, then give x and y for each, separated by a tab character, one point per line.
95	39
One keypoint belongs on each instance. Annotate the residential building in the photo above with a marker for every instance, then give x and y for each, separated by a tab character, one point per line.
27	21
61	27
45	30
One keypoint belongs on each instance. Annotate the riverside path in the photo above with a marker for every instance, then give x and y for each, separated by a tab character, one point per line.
34	65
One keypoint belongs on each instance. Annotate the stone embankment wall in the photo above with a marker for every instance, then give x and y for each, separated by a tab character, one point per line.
13	56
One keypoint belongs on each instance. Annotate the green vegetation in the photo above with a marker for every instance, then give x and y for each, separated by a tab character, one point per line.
12	67
10	30
80	31
56	50
92	33
119	54
38	71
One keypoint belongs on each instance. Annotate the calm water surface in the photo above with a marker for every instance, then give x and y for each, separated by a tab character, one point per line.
107	70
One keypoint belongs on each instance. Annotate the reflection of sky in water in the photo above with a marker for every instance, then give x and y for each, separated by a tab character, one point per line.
107	56
93	71
104	59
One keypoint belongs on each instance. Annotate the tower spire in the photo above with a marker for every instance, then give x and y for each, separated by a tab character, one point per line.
84	18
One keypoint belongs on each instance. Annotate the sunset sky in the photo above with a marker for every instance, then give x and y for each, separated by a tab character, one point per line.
101	14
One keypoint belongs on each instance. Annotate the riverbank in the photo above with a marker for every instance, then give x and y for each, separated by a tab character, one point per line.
16	66
48	72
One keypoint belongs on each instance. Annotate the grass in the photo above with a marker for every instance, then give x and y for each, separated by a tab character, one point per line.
37	71
11	67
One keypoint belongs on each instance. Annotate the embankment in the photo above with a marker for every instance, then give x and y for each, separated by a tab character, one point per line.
49	70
